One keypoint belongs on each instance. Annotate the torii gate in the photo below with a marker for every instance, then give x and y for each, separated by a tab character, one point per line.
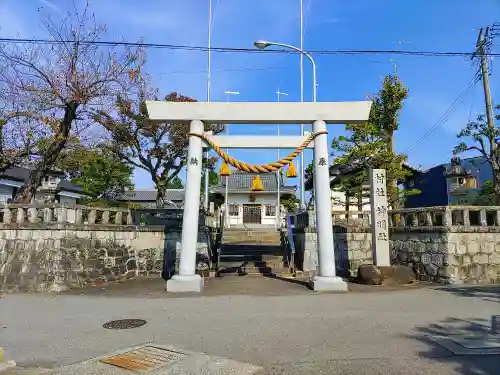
319	114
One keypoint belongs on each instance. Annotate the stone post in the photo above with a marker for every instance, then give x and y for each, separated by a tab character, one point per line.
32	215
482	218
119	218
79	216
20	215
448	217
91	217
61	215
380	220
129	218
7	215
47	215
466	216
105	217
187	280
428	219
327	279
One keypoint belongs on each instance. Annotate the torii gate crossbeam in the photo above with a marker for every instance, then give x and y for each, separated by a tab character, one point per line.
319	114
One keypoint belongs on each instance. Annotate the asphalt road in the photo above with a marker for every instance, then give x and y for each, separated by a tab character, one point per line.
357	333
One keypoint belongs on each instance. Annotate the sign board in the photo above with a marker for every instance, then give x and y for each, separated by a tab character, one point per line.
380	217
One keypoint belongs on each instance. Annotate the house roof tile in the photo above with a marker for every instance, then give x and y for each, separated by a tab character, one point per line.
240	181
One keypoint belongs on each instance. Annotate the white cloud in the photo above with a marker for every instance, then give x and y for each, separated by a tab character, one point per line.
11	25
51	5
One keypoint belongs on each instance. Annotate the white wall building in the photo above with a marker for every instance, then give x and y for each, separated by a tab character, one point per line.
54	184
246	207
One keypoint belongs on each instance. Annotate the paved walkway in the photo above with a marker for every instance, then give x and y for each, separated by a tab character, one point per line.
379	332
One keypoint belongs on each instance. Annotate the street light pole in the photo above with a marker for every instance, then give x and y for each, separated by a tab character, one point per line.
228	94
278	172
261	44
302	168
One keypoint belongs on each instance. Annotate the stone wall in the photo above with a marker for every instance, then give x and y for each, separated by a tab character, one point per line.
40	251
450	245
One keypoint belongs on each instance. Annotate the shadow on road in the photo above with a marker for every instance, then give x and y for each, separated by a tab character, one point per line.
462	364
490	293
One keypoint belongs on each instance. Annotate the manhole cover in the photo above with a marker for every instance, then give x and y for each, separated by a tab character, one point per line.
124	324
144	359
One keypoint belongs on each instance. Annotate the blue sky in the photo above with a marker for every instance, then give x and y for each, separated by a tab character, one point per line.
434	82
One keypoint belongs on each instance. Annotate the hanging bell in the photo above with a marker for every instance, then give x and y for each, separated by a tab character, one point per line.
224	170
257	184
291	171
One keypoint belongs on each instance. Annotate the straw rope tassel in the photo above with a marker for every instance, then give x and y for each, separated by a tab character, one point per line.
264	168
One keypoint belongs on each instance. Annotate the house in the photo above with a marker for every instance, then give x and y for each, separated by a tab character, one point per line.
251	207
55	188
146	198
456	182
338	196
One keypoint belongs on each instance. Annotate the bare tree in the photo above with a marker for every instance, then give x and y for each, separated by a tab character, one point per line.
56	83
478	136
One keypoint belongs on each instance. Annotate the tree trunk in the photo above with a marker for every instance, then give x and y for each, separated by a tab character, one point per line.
160	196
347	205
496	187
26	193
393	184
360	203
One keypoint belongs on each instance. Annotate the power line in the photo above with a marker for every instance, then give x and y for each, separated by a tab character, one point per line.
444	118
246	50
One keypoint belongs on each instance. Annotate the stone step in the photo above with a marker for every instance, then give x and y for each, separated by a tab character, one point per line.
236	262
239	237
228	269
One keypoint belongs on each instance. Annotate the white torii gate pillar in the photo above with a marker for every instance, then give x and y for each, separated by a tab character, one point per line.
196	113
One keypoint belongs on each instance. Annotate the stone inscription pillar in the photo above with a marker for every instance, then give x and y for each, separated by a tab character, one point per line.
380	218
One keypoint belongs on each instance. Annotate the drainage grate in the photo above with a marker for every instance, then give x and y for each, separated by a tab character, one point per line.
124	324
145	359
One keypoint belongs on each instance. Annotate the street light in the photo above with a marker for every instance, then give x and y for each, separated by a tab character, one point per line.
262	44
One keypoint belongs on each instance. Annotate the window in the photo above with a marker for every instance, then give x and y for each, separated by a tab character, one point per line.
234	210
270	210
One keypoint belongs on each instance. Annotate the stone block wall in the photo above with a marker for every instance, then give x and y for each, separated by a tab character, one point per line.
448	245
57	255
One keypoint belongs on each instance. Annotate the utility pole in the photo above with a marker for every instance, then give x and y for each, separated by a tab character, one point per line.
481	51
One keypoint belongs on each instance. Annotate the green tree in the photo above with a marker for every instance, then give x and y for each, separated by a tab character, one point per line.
477	136
213	179
387	106
370	145
175	183
101	174
289	201
487	195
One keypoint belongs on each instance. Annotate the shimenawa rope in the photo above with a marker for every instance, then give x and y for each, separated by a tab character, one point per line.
265	168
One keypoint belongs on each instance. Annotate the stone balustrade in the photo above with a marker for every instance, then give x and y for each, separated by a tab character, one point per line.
40	215
49	214
463	218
